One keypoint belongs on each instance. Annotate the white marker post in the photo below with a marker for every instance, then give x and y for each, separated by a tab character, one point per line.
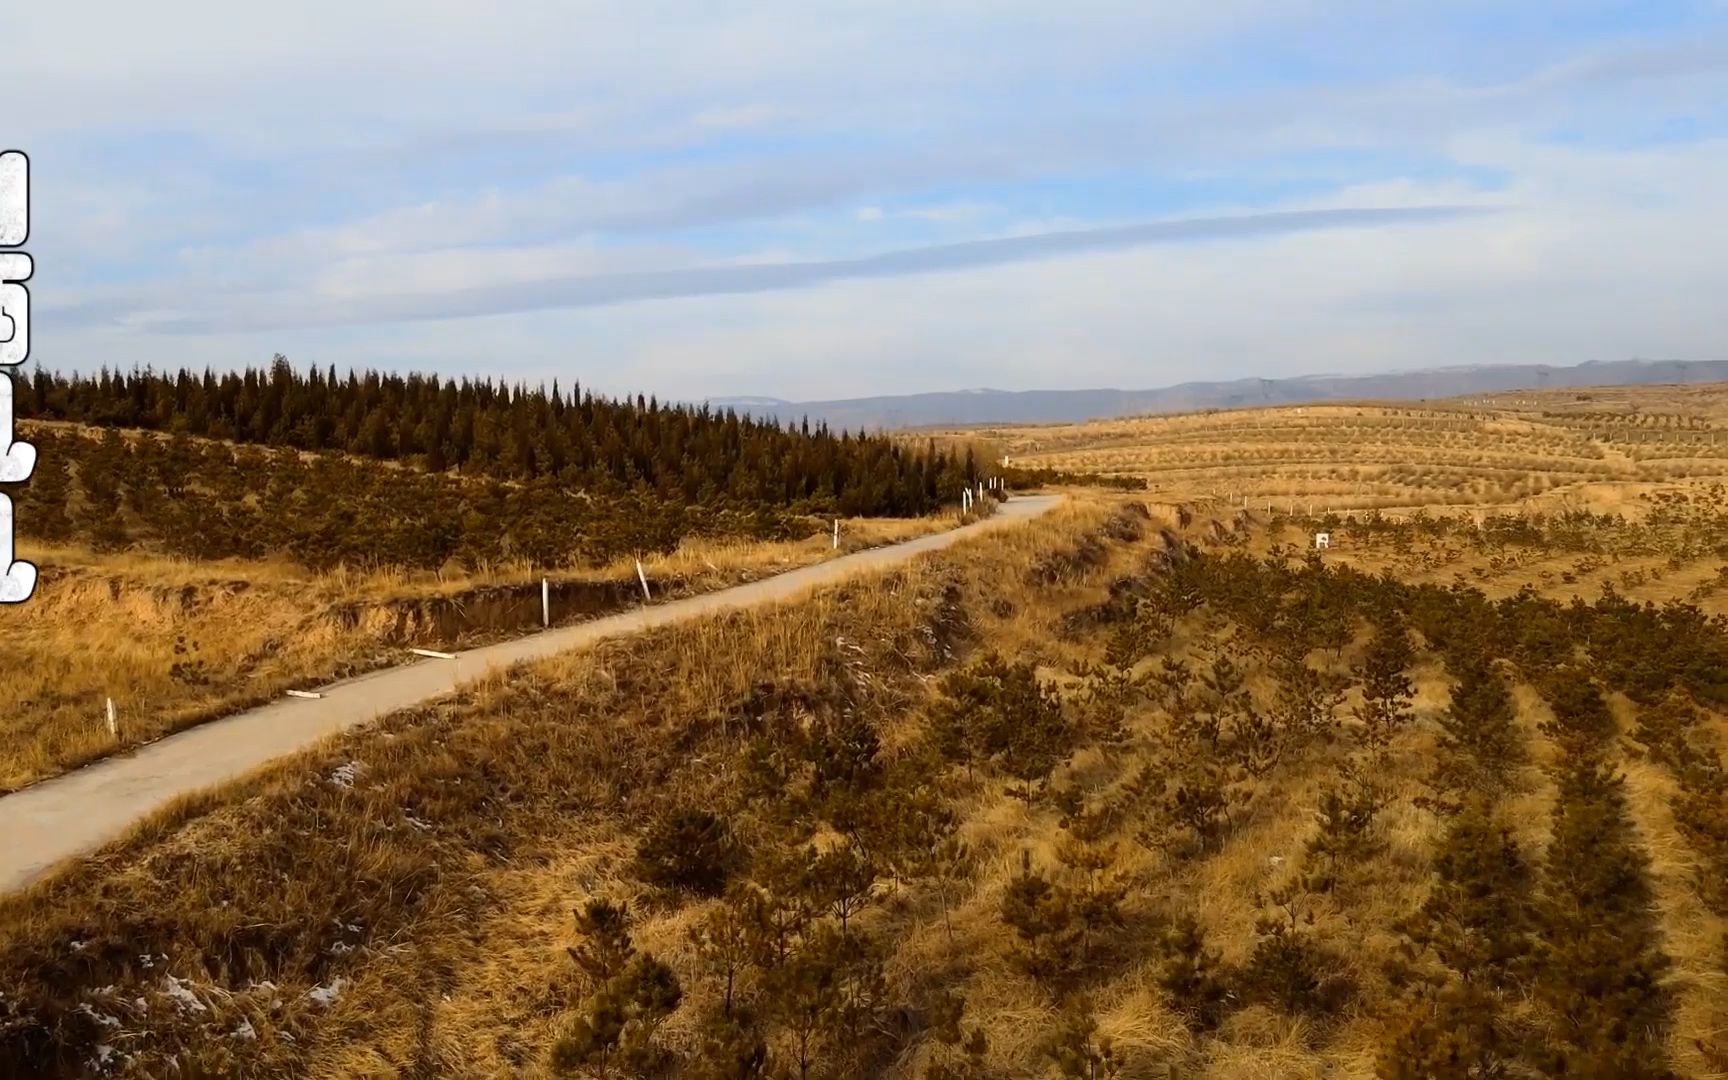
643	578
545	603
113	724
836	534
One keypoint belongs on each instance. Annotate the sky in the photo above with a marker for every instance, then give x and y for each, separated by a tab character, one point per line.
839	197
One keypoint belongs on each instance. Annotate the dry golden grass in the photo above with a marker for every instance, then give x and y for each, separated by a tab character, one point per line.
486	930
1525	449
431	881
175	642
1662	549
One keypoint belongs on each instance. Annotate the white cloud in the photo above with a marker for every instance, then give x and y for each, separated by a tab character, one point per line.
350	164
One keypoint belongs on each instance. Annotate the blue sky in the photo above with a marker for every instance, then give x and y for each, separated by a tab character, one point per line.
840	198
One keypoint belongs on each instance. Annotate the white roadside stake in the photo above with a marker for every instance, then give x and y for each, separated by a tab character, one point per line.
643	578
113	724
304	694
836	534
545	603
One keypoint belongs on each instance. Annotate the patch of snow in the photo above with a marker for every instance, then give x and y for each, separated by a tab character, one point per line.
101	1018
344	775
244	1032
327	994
180	991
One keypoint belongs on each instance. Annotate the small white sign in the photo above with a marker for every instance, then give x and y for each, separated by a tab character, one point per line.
1322	541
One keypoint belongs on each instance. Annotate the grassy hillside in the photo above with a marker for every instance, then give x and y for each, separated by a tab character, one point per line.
1109	796
176	641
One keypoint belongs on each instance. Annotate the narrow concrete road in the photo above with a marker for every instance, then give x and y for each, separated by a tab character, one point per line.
77	813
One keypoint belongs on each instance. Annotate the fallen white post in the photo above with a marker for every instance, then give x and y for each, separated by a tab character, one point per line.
643	578
304	694
545	603
113	725
434	654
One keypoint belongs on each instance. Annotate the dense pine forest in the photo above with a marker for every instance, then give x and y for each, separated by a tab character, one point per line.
477	471
512	433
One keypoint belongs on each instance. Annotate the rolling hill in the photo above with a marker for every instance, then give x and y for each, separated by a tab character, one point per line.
973	407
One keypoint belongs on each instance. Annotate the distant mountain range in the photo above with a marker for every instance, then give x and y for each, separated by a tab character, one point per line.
971	408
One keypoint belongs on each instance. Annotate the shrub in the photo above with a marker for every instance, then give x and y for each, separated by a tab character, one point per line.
1192	974
616	1025
1455	1031
633	994
964	1050
1479	741
1002	713
1479	917
1056	923
1289	968
1601	969
1345	818
1076	1050
1386	689
690	850
605	947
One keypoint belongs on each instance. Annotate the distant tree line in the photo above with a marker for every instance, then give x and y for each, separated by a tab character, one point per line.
1026	478
605	446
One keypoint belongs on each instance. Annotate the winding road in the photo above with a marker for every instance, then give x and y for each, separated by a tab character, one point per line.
76	813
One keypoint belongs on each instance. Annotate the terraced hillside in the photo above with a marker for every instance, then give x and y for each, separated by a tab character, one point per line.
1491	451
